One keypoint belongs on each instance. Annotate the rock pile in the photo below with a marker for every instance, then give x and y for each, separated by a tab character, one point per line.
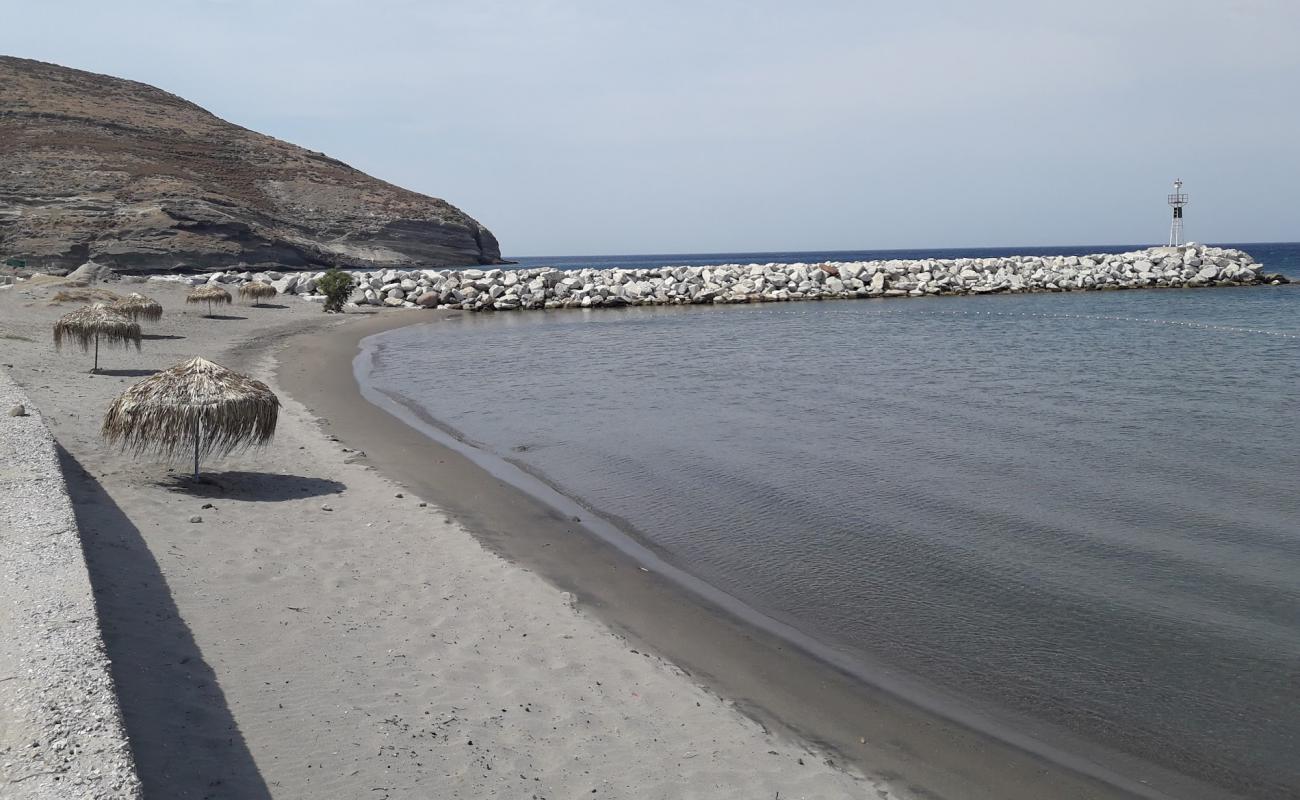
1188	266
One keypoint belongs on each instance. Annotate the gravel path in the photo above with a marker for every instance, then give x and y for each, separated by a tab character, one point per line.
61	730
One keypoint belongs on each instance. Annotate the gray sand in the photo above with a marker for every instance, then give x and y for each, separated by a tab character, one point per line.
318	636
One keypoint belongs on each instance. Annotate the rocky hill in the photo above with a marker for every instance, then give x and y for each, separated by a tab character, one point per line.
120	172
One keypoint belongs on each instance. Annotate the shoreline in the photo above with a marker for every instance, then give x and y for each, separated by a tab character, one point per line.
296	625
316	594
772	673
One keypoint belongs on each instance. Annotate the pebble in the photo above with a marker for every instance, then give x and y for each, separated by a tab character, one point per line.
60	717
326	508
196	518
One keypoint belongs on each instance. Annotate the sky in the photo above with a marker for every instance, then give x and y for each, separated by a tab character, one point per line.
587	127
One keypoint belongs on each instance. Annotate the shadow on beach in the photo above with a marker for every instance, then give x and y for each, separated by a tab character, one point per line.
252	486
222	316
126	373
183	736
155	337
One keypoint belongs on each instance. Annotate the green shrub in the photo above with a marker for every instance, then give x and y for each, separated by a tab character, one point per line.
16	263
336	285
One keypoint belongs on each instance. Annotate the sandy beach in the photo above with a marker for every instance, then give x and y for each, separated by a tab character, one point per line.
364	613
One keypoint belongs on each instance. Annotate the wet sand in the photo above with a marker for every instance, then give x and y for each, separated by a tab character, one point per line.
324	632
362	612
774	683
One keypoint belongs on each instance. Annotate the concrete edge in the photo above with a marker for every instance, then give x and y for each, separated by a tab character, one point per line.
61	730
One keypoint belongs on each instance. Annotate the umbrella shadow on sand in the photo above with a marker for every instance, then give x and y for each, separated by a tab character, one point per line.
251	486
182	733
126	373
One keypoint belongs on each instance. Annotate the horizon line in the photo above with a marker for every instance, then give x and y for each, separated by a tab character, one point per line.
873	250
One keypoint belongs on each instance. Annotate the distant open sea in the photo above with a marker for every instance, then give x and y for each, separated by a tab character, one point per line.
1279	257
1075	510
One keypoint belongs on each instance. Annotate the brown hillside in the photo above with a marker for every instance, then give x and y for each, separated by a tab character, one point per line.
96	167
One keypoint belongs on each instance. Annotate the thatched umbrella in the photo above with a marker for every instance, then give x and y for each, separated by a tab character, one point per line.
92	323
196	405
257	291
137	306
211	293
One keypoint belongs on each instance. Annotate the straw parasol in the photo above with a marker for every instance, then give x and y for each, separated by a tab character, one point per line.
209	294
92	323
196	405
257	291
137	306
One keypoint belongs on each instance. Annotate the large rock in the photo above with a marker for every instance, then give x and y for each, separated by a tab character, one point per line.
90	272
286	285
475	289
141	180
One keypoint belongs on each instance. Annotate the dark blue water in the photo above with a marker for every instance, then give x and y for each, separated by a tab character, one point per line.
1078	510
1278	257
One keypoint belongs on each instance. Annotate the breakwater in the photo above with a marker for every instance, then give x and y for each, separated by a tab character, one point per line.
1188	266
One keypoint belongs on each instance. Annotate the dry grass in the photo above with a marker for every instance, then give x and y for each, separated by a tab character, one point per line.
41	279
194	408
92	324
85	295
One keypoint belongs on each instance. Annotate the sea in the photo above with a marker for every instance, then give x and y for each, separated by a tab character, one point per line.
1076	511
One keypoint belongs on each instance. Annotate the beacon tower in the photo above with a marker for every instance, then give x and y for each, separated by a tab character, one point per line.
1177	200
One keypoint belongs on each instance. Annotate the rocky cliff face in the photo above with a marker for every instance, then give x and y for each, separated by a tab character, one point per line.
96	167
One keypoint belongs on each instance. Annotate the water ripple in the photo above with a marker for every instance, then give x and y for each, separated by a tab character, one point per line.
1075	507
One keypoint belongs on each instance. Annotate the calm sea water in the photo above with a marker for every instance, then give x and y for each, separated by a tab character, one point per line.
1277	256
1077	509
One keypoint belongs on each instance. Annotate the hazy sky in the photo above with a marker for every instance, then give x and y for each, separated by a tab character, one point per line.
574	127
